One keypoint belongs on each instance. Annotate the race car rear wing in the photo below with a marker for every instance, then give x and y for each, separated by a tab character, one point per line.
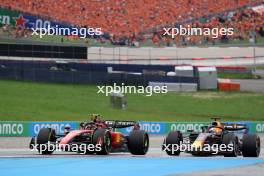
236	127
120	124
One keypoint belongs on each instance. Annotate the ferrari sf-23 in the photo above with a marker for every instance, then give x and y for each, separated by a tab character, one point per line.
96	137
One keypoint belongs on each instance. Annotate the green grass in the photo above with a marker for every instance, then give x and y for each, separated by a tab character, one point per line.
260	67
40	101
235	75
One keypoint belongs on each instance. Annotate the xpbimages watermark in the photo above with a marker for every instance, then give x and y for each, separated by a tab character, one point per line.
195	31
182	147
80	148
73	31
148	90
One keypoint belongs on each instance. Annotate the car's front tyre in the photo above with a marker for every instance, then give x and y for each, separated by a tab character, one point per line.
250	145
45	138
138	142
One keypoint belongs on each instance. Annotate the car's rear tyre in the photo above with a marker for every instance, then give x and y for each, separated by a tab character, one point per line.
250	145
138	142
231	138
102	137
45	136
172	139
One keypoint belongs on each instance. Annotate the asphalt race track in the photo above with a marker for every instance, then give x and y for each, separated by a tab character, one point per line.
17	159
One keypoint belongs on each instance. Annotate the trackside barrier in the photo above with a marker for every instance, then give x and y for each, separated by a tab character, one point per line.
162	128
34	127
14	128
257	127
26	128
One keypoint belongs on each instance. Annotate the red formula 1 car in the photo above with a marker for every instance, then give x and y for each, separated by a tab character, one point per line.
94	138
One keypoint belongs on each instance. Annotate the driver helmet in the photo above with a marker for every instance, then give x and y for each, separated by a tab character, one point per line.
96	118
67	129
216	128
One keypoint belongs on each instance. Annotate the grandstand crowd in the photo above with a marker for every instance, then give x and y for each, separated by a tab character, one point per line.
127	22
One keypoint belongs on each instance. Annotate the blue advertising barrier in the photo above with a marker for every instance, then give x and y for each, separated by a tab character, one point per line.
163	128
34	127
36	22
153	128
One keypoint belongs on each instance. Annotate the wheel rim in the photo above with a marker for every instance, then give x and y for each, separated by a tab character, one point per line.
107	143
235	147
146	144
258	146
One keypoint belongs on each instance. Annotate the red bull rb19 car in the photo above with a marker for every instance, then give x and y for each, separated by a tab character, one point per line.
227	139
